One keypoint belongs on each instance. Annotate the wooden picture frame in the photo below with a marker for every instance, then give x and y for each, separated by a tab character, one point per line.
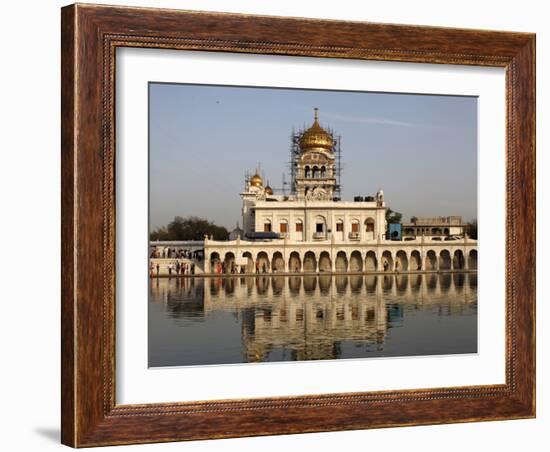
90	36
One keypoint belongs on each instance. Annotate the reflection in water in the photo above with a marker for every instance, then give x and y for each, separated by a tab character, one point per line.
287	318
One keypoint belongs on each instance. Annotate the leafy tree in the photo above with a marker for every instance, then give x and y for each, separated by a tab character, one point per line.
393	216
189	228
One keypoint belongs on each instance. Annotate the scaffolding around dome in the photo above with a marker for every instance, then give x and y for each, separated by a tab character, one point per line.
314	138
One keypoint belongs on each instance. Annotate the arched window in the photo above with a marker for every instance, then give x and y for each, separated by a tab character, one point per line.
320	225
315	172
323	172
369	225
267	226
307	172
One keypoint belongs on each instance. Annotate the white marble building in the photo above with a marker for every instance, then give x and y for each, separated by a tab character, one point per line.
312	212
311	229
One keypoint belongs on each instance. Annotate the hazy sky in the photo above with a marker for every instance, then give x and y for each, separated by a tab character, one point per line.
421	149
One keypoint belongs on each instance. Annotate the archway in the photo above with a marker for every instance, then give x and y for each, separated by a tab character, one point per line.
228	285
387	283
341	262
415	261
341	283
262	284
215	264
444	260
294	283
458	260
415	282
310	283
356	262
431	260
401	282
277	284
356	283
294	263
278	263
370	262
431	282
472	260
370	282
229	263
324	262
325	281
445	282
387	261
401	261
249	262
472	280
310	262
262	262
458	281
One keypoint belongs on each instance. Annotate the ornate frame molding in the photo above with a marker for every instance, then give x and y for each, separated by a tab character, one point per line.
90	37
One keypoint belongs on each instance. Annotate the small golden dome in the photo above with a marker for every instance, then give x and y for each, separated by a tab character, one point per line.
316	137
268	189
256	180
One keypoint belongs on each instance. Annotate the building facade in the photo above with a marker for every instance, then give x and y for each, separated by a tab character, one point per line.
311	229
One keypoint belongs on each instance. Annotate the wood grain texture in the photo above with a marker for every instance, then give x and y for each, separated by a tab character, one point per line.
90	36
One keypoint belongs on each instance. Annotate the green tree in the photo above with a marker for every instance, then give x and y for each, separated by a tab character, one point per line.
393	217
189	228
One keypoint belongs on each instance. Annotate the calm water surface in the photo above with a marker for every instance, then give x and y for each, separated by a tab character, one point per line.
197	321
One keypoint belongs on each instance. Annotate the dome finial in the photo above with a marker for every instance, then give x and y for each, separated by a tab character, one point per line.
315	113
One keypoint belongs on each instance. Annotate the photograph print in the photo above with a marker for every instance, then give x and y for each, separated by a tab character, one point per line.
298	225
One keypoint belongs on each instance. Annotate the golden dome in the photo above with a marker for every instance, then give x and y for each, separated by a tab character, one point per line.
256	180
316	137
268	189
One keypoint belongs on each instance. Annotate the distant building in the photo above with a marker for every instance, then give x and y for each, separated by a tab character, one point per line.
435	227
235	233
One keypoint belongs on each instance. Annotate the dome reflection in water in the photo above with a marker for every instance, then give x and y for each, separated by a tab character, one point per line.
223	320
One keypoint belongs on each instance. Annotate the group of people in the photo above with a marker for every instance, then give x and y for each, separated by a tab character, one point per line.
167	253
221	268
178	268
